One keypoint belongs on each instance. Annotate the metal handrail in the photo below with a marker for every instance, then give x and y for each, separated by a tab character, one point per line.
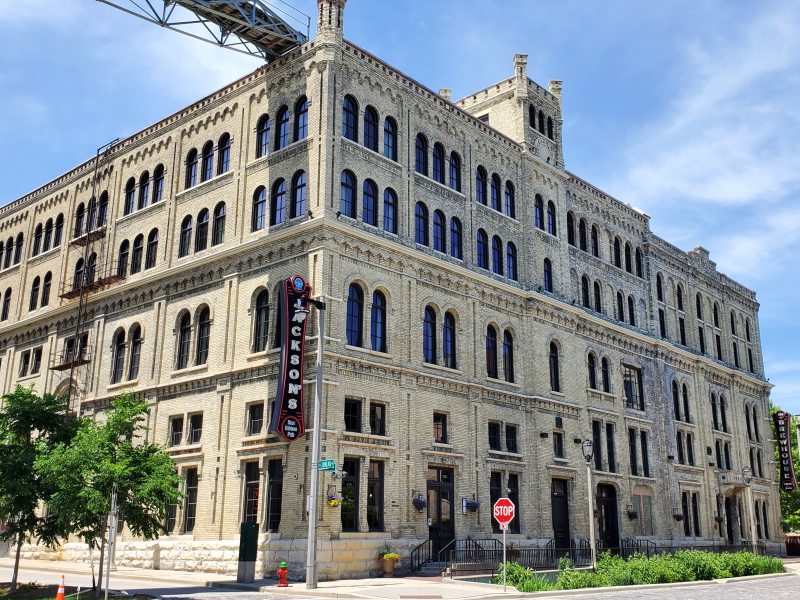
421	555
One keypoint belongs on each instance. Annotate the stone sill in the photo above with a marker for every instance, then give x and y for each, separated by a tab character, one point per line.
149	208
367	351
189	370
122	384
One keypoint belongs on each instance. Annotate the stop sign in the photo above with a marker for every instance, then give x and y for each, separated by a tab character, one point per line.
504	511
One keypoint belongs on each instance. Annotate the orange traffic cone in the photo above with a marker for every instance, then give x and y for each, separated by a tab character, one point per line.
60	592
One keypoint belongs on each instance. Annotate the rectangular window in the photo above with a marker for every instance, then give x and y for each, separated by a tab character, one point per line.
24	363
255	418
689	449
679	444
274	493
350	495
718	448
558	444
375	496
645	454
513	495
195	428
494	436
687	530
377	418
632	441
696	514
190	501
610	446
728	462
597	442
495	493
511	438
701	336
634	391
36	360
719	347
682	330
440	428
251	491
758	519
662	323
175	431
352	415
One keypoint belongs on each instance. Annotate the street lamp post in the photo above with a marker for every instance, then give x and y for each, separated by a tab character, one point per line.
588	452
747	475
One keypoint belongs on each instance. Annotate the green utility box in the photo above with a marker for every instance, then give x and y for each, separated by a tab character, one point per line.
248	550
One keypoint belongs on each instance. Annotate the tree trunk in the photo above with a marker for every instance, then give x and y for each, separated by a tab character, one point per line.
16	562
100	568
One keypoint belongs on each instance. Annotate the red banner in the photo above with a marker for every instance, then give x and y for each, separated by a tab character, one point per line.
783	431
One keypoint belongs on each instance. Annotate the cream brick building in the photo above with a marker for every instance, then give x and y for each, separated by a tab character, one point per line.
487	311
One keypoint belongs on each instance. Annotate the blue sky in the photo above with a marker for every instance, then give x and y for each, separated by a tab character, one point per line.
688	110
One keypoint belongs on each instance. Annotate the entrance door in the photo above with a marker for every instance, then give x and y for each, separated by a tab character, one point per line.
608	526
441	525
559	503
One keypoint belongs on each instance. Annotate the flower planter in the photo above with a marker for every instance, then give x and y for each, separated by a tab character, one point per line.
388	567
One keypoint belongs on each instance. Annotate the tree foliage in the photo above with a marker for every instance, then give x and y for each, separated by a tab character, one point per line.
790	501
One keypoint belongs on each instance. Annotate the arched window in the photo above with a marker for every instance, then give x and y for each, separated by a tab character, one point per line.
550	127
508	356
449	341
716	315
439	231
355	315
299	187
679	296
617	253
203	336
659	288
144	195
456	246
495	192
639	265
595	242
628	266
350	118
185	243
207	167
118	358
511	204
282	133
6	305
201	237
191	176
184	341
497	255
438	162
591	364
130	198
378	322
491	352
34	294
262	136
390	138
18	248
482	249
598	300
371	129
631	311
370	203
428	335
606	372
261	322
80	214
37	240
91	268
136	254
532	116
676	401
301	119
733	323
218	230
570	229
421	155
548	275
48	237
555	376
480	186
277	206
223	154
122	259
421	224
102	209
686	416
58	232
9	254
538	212
348	201
152	249
455	172
551	218
582	238
585	292
258	216
511	261
389	211
48	281
136	352
699	306
620	307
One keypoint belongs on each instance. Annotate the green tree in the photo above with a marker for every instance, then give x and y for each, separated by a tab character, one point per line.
29	423
104	456
790	501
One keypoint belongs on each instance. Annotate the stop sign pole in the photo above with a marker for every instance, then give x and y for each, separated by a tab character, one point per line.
504	511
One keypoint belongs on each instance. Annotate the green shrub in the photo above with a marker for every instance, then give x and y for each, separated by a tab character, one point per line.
525	580
570	578
746	563
704	565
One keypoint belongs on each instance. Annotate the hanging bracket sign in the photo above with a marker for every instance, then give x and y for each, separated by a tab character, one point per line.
783	430
287	415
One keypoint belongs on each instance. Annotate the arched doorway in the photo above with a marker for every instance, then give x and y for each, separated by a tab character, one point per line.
607	517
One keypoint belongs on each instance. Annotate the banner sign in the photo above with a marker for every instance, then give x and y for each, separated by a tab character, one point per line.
287	415
783	429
